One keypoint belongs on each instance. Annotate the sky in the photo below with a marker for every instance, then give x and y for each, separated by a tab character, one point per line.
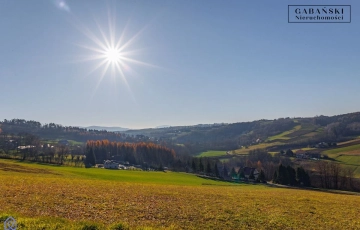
181	62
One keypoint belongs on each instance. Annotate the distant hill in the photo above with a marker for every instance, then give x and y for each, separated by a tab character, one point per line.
162	126
274	135
109	129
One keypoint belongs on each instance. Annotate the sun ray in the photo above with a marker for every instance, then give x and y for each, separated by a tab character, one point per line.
112	50
138	62
98	66
131	40
102	76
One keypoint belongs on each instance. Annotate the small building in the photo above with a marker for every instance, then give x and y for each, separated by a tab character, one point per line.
24	147
122	166
109	164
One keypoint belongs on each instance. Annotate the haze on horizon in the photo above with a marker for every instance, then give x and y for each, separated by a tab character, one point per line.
140	64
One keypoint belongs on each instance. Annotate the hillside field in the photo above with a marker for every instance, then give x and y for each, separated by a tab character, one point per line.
212	153
283	135
55	197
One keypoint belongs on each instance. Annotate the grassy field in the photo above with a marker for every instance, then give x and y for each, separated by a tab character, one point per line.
349	150
349	156
212	153
253	147
282	136
71	142
54	197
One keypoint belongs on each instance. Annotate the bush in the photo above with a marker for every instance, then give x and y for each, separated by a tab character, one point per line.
119	226
90	227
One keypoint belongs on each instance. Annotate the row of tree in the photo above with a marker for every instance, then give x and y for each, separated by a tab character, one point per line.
149	154
287	175
332	175
55	131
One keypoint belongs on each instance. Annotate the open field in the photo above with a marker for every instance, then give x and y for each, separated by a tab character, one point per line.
348	150
282	136
349	156
351	142
253	147
212	153
53	197
71	142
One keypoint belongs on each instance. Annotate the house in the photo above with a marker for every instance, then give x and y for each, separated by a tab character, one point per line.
109	164
314	155
248	171
322	145
24	147
122	166
301	154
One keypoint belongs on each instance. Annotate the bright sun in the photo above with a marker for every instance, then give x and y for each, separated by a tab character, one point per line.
112	51
112	55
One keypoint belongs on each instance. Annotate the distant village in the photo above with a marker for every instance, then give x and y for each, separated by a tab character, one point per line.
124	165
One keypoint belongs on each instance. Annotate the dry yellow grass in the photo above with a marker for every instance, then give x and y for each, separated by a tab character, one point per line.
202	206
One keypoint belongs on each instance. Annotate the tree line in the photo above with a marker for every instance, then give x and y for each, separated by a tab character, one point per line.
148	154
25	146
14	127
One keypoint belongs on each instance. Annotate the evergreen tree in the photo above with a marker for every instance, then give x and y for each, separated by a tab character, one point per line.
241	174
282	177
208	168
90	157
201	166
193	166
307	181
217	174
291	175
161	168
261	177
225	172
251	176
302	177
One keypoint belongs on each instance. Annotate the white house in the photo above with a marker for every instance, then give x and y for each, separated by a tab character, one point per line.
122	167
111	165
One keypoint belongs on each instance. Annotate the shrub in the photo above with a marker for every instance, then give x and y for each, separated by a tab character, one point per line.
119	226
90	227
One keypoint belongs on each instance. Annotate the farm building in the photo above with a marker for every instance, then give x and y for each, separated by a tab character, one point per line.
108	164
301	154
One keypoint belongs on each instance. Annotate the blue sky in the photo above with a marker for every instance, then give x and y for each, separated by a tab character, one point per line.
208	61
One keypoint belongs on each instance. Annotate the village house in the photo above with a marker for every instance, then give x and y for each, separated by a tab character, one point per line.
301	154
109	164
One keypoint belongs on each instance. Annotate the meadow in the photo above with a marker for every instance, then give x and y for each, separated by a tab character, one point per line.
56	197
283	135
348	150
212	153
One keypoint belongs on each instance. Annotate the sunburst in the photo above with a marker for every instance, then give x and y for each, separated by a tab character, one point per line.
112	51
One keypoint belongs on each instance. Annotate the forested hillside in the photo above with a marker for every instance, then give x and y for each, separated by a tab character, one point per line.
291	132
